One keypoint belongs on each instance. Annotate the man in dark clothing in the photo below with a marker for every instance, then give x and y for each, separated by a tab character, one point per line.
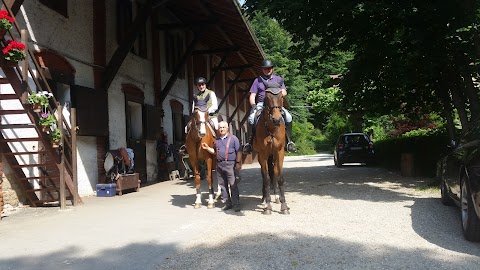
229	164
257	96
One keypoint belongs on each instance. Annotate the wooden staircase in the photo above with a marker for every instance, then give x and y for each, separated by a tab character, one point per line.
46	175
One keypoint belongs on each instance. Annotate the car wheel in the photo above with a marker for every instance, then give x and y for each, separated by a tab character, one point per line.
338	163
445	198
469	218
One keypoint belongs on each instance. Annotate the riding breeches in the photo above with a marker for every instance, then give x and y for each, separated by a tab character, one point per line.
251	118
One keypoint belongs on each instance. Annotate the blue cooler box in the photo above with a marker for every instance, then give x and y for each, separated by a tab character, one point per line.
106	190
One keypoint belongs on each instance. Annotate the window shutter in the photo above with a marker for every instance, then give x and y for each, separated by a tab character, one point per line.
153	122
92	110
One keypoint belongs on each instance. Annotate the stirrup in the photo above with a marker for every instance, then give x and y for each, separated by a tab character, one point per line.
291	148
247	148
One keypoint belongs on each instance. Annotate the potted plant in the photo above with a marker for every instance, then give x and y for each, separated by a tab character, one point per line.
55	136
46	121
5	20
14	51
39	100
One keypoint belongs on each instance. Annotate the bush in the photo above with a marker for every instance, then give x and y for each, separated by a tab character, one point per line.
426	149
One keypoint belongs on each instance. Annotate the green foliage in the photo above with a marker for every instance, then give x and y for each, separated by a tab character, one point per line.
335	126
304	135
55	135
47	120
39	98
404	56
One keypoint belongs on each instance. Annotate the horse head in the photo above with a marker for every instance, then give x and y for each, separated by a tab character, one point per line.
273	104
200	118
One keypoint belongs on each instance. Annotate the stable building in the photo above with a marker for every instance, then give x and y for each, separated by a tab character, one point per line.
121	75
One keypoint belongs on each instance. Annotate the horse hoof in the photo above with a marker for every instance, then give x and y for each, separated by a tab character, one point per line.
285	212
267	212
198	205
277	200
211	205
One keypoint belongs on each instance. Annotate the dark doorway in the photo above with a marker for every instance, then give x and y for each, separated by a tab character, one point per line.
134	128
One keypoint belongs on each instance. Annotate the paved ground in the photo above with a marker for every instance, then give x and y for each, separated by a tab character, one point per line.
354	217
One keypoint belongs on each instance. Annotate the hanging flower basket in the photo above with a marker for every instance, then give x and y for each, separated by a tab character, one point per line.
5	20
14	51
55	136
37	107
41	98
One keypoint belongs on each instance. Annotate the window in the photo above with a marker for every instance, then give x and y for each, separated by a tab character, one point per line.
60	6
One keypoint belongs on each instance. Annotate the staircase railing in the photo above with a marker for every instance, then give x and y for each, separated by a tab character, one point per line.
31	76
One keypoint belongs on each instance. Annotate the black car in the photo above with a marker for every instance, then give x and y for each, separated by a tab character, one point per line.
459	174
353	148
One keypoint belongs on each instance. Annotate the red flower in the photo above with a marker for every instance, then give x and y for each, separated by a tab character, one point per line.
4	15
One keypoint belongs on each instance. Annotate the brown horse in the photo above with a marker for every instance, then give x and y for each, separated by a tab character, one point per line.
201	132
269	143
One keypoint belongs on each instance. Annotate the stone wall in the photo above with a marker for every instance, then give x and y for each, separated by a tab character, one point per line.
10	192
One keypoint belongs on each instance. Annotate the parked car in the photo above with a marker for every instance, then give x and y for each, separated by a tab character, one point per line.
459	173
353	148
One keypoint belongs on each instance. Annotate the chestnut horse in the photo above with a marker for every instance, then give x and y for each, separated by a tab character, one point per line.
269	143
201	132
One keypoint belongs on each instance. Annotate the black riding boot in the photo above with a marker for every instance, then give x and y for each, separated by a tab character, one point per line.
248	147
290	147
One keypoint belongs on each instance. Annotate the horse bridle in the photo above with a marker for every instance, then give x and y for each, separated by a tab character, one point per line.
268	109
199	121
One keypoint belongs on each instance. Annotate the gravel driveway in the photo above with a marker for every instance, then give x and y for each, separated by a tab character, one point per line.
354	217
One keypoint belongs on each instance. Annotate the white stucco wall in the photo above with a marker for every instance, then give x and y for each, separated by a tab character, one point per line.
86	165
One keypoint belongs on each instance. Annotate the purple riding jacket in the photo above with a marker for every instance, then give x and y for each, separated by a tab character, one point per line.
259	87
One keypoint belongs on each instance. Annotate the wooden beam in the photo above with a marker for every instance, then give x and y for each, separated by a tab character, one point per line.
185	25
238	67
178	68
14	5
217	68
245	117
238	106
122	51
217	50
228	92
242	80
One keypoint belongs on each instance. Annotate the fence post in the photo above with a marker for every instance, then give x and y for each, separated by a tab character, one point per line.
73	132
62	158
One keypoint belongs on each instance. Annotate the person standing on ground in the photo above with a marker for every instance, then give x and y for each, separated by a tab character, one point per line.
229	163
257	95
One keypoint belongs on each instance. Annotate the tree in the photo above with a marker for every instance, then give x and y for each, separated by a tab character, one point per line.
407	55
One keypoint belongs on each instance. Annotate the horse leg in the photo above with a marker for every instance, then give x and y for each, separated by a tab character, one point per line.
266	191
273	183
211	202
196	175
284	209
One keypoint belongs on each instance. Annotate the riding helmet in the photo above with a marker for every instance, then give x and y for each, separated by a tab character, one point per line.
267	63
200	80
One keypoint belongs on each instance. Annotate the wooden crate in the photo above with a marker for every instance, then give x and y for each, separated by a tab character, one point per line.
128	181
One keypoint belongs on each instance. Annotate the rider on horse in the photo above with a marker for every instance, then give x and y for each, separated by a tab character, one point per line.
205	98
257	93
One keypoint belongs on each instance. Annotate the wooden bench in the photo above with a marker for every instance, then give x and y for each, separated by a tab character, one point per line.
128	181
